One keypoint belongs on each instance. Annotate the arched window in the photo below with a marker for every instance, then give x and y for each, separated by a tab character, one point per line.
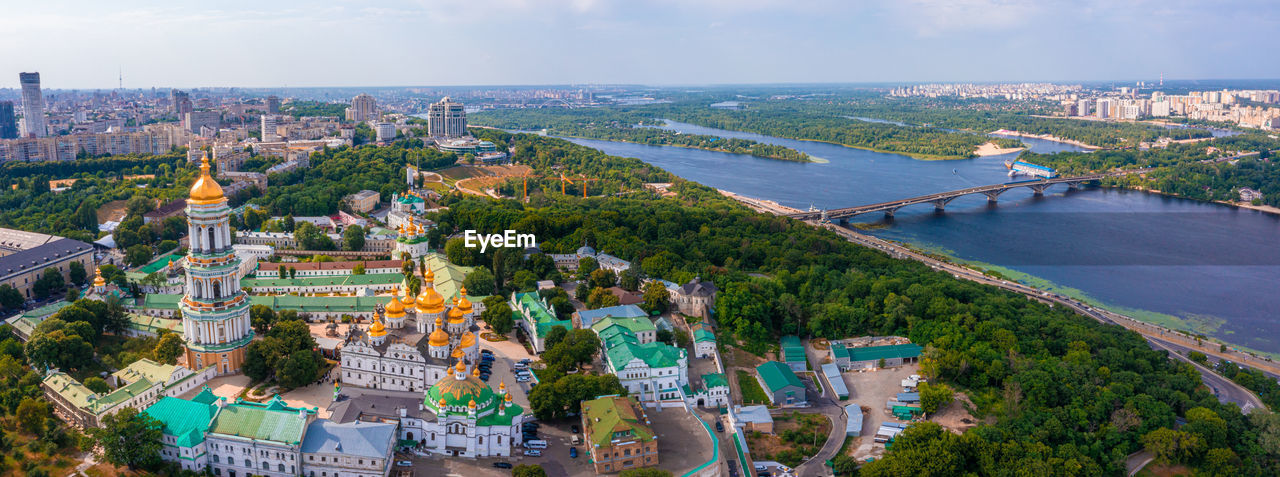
217	290
210	245
265	465
281	467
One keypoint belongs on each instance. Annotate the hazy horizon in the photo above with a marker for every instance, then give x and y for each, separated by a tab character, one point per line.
407	43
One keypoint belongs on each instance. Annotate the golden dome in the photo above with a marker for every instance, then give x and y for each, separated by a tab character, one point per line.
456	316
508	398
98	281
442	403
468	340
439	337
205	190
377	329
462	367
475	371
472	404
459	354
464	303
430	301
394	308
502	385
407	300
431	277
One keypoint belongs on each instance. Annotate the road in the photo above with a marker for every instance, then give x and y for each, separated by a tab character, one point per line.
827	406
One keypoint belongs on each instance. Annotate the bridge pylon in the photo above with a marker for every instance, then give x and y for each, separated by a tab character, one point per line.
994	195
941	204
1039	188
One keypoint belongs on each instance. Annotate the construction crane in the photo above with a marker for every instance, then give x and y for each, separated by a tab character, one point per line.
525	182
584	181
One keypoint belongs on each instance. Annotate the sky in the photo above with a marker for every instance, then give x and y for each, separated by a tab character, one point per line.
299	43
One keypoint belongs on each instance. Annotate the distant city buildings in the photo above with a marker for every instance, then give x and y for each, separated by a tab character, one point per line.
268	128
273	104
180	102
446	119
197	121
8	121
1012	91
363	108
33	120
385	131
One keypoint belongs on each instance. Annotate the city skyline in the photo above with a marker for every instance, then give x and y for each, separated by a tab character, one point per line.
515	42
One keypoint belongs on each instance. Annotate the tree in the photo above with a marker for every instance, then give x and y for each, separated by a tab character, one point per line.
10	297
934	396
554	335
137	255
656	297
498	317
261	317
77	273
97	385
299	369
457	251
1168	445
528	470
50	281
554	399
310	237
32	414
169	347
586	265
524	281
289	224
629	279
129	438
566	354
479	282
602	278
358	269
283	271
259	360
601	298
353	238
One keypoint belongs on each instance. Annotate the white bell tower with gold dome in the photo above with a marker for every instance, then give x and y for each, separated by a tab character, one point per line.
215	312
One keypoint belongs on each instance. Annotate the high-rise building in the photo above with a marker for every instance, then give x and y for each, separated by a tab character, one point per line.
181	102
268	128
1082	107
33	124
385	131
273	104
363	108
195	120
8	122
215	311
446	119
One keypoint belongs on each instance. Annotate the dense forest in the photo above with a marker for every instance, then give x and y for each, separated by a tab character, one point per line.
618	125
336	173
1065	395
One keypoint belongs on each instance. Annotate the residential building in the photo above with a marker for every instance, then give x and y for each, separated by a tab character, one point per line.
752	418
331	269
704	340
363	108
384	131
714	392
782	385
535	318
587	318
356	448
656	373
263	439
696	298
33	120
8	121
447	119
196	121
66	148
637	327
24	256
363	201
138	386
215	311
273	104
268	131
180	101
570	261
618	434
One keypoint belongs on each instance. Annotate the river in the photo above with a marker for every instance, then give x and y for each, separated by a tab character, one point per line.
1186	264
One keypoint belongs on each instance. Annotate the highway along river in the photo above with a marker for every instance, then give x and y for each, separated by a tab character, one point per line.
1194	266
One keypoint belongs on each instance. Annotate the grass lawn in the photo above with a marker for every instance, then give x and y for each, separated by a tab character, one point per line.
752	393
797	436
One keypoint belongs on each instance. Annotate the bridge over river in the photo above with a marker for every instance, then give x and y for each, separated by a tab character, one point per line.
941	199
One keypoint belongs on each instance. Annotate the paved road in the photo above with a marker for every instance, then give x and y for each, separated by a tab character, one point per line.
829	407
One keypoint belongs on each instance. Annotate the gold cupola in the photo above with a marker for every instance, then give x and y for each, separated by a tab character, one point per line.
395	309
377	329
439	337
464	303
430	301
205	190
98	281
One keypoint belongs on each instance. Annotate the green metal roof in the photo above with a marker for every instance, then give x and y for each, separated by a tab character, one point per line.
614	417
510	413
874	353
714	380
145	369
273	421
635	324
702	335
530	308
793	354
159	263
122	394
153	324
616	335
790	340
777	376
654	355
162	301
838	351
186	420
332	280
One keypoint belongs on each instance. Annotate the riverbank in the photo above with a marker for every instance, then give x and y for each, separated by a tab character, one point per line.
1266	209
922	157
808	159
991	149
1046	137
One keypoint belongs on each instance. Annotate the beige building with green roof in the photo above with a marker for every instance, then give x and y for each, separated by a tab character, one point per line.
138	386
618	434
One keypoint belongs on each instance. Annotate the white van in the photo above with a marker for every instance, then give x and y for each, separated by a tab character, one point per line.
535	444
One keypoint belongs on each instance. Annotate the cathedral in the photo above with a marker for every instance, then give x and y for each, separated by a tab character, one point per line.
423	344
413	341
215	311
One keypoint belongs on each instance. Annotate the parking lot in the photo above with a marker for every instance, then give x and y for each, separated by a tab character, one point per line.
871	390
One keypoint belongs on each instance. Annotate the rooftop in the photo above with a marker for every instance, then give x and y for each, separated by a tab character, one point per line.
613	418
777	376
271	421
185	420
358	438
873	353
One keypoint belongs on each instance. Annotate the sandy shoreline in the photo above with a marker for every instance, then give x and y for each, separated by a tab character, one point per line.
1047	137
991	149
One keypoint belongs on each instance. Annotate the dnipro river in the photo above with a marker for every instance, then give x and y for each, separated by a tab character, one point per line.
1192	265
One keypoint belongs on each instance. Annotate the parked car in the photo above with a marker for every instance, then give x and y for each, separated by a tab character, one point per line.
575	429
404	463
533	453
573	452
486	352
502	465
719	426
